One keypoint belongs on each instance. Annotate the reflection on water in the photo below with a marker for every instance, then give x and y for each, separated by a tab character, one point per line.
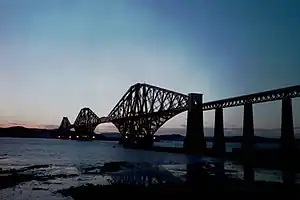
249	175
229	145
220	170
65	163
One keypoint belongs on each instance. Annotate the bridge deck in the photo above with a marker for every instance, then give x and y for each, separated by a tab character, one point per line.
261	97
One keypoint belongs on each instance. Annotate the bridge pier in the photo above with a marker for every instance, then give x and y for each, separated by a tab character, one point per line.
288	142
137	142
249	173
248	131
194	141
133	137
287	128
218	139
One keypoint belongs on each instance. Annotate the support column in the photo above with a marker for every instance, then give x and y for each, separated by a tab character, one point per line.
288	142
218	139
287	128
248	143
219	170
194	140
248	131
194	174
249	174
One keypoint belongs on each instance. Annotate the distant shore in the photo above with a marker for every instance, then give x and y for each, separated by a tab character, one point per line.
265	158
22	132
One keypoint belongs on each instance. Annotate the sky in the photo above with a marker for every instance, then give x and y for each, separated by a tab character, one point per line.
58	56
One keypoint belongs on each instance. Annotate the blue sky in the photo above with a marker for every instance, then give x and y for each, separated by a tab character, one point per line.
57	56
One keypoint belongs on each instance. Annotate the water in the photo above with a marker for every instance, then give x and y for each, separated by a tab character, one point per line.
70	157
229	146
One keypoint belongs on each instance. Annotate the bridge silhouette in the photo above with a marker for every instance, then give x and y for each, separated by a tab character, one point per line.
145	108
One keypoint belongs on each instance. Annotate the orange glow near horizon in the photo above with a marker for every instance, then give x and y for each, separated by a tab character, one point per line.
6	124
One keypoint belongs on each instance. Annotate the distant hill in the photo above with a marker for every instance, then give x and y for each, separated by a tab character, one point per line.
171	137
22	132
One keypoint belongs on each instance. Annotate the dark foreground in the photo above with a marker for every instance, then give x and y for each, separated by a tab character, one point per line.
199	180
201	185
260	158
205	190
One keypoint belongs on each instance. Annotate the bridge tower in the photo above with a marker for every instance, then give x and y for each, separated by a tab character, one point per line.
143	110
65	124
86	122
194	140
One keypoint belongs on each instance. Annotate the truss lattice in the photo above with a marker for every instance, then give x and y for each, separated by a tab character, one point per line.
65	124
261	97
86	121
144	108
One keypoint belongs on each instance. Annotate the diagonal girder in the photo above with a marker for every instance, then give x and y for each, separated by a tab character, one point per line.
65	124
144	108
145	124
86	120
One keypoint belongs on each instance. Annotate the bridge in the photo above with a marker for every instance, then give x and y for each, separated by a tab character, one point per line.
145	108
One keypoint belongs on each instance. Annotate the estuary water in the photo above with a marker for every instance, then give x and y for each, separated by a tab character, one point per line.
68	161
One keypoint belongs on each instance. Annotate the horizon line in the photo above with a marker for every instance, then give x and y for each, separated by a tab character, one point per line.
49	127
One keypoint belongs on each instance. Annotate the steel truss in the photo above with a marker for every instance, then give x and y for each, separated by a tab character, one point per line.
86	121
65	124
271	95
145	108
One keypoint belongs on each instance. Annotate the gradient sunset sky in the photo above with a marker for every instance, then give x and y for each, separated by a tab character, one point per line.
57	56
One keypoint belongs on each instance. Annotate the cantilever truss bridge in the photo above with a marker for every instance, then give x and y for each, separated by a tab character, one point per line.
145	108
141	111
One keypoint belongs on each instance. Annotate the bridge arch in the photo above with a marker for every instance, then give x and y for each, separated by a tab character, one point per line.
145	125
107	127
141	111
175	125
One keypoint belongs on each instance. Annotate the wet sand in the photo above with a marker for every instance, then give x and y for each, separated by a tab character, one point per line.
138	180
198	181
206	190
13	177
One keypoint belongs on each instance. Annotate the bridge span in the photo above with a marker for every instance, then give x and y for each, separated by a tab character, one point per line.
144	108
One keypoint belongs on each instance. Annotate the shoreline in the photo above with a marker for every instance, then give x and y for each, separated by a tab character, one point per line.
140	179
261	158
207	189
